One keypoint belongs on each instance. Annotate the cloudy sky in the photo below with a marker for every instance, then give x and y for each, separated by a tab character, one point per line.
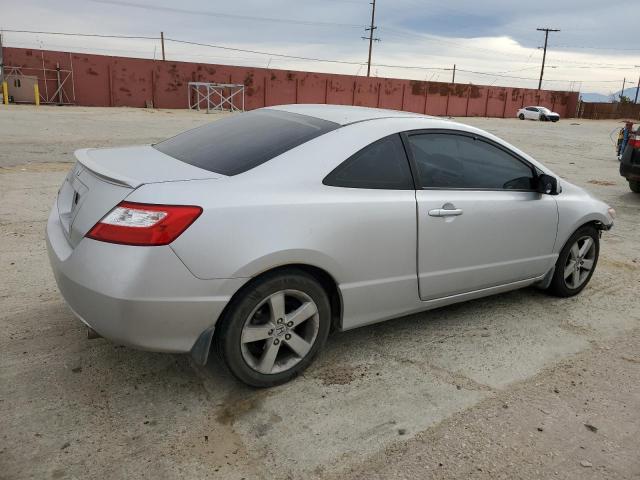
491	42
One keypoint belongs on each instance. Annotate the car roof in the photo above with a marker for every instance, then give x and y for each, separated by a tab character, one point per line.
344	114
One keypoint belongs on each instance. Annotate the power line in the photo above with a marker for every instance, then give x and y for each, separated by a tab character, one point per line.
156	8
500	74
139	37
493	52
282	55
433	38
81	34
615	49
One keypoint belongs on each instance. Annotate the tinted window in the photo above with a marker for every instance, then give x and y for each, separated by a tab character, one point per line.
532	109
383	164
243	141
458	161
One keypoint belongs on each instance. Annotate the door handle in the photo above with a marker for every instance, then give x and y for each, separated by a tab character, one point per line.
445	212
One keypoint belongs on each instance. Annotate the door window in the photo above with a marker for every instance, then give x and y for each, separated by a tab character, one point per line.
456	161
381	165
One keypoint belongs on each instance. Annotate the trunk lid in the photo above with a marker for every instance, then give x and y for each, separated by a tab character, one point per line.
102	178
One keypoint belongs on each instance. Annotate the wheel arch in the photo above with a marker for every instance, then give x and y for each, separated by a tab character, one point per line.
594	222
597	219
324	278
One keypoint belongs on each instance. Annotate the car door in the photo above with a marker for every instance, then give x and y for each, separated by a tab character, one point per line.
371	232
480	221
532	113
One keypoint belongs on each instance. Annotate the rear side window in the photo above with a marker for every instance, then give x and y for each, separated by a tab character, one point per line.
243	141
382	165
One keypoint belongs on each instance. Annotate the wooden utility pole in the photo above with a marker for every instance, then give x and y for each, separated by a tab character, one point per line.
371	28
637	88
544	54
1	61
453	80
624	80
162	44
4	94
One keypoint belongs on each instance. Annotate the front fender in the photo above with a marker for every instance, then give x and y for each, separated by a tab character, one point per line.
566	229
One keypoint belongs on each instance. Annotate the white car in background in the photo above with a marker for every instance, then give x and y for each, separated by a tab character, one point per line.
537	113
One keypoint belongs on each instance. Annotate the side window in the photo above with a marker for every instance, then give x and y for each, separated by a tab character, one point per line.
382	165
459	161
532	109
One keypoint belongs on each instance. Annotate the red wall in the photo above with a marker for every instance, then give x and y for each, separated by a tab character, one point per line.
101	80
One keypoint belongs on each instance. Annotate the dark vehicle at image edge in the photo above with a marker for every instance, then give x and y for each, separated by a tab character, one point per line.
630	162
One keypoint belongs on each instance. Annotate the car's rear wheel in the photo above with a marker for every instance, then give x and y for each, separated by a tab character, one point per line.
576	263
274	328
521	116
634	185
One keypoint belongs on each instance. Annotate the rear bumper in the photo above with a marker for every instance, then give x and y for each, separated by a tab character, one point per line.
142	297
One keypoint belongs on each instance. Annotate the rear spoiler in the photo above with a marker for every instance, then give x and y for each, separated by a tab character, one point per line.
83	157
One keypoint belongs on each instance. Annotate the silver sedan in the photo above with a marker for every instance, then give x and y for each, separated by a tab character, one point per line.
260	233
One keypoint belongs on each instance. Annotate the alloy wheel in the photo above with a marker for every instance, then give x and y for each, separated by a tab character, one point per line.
579	262
280	331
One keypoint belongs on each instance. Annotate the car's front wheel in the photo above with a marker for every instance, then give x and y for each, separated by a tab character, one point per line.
576	263
274	328
634	185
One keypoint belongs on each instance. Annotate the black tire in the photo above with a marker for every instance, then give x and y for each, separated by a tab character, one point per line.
228	336
559	286
554	120
634	185
521	116
543	118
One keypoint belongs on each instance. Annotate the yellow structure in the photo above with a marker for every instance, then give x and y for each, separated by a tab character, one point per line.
36	93
5	93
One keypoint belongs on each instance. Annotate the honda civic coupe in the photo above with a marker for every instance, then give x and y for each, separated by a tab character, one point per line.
537	113
258	234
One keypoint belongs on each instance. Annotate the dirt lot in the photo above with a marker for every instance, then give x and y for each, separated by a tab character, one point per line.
519	385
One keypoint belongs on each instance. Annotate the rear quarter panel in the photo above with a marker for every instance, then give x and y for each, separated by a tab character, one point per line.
280	213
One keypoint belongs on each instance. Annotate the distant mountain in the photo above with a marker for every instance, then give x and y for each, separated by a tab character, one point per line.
600	97
594	97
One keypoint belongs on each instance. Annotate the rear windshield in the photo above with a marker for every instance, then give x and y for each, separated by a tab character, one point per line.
240	142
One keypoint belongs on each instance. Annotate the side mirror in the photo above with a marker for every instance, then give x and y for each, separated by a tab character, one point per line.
547	184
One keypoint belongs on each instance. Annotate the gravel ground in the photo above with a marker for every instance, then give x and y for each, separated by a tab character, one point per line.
518	385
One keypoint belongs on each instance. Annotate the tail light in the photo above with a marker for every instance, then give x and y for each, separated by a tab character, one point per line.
144	224
634	140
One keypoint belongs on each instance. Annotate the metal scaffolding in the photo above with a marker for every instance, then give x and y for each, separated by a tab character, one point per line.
61	78
216	96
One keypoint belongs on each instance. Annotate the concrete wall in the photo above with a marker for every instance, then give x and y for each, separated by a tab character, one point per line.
101	80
